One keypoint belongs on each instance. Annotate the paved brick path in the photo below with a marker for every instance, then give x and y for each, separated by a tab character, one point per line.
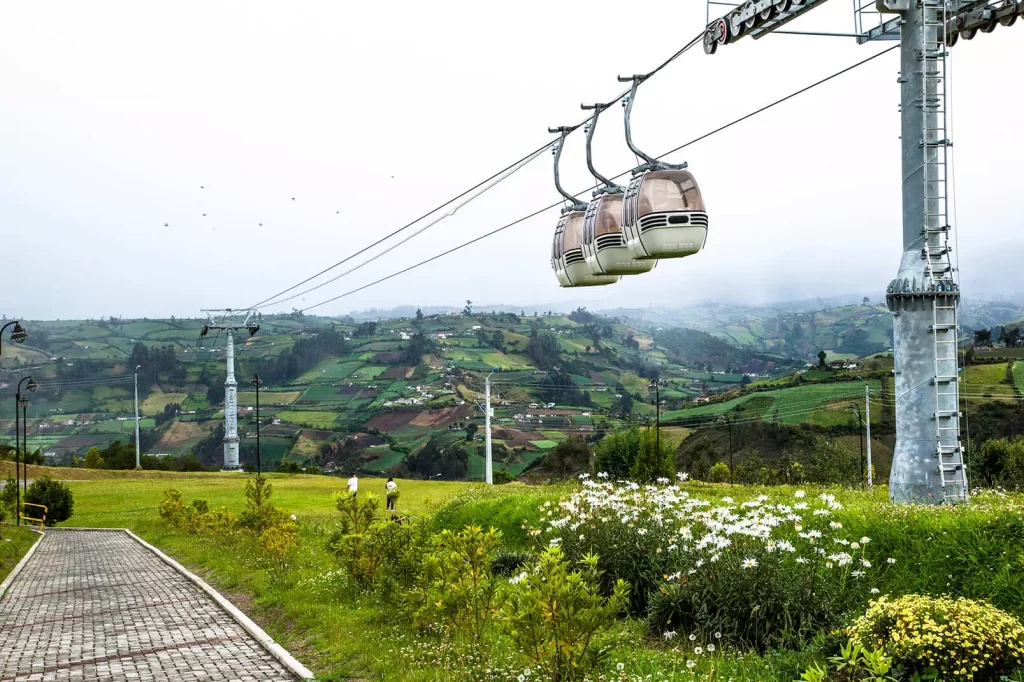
93	605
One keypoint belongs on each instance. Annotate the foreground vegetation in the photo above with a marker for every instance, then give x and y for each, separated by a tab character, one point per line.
14	542
355	595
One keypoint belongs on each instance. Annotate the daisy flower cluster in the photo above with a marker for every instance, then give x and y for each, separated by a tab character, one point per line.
704	554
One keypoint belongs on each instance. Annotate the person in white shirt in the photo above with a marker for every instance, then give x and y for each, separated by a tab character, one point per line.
353	485
388	487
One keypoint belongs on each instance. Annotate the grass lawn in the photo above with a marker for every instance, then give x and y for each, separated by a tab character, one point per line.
987	380
316	420
342	634
14	542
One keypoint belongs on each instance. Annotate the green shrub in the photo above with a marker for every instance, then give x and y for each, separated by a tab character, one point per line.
9	495
957	639
55	496
554	615
502	476
172	509
260	513
719	473
854	663
508	563
461	593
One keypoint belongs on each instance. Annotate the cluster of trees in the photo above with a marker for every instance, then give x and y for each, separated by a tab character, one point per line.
542	349
154	362
635	454
307	352
436	461
120	455
1009	336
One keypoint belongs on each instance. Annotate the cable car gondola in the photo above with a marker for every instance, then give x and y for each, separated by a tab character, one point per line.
567	259
663	212
604	243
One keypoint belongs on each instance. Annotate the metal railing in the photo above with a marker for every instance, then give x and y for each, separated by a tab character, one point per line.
41	521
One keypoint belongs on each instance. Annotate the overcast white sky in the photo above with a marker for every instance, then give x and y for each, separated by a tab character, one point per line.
114	114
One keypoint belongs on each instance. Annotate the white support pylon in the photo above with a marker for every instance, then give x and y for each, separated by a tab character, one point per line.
231	410
489	464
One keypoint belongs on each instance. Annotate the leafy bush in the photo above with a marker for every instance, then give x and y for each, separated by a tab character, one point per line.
172	509
55	496
386	555
195	517
719	473
461	593
260	513
554	615
502	476
854	663
508	563
9	495
957	639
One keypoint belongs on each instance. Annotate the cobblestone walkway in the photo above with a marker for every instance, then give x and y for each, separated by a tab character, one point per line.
93	605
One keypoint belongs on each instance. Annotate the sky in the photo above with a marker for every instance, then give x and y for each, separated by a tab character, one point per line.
161	158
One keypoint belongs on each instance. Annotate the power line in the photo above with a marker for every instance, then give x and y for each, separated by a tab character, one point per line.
557	203
521	161
517	167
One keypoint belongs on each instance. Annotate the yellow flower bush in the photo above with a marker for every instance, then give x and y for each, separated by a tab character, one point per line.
960	639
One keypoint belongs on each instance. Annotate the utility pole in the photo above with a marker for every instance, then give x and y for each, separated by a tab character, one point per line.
138	460
860	431
230	321
256	381
657	415
489	466
867	426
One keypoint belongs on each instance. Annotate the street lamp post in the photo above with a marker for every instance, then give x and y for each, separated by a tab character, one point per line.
18	334
32	386
860	419
24	439
256	381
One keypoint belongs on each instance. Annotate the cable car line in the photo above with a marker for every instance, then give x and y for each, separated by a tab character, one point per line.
404	227
519	166
661	66
558	203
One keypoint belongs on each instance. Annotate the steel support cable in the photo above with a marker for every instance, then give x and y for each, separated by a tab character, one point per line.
517	167
403	228
558	203
529	156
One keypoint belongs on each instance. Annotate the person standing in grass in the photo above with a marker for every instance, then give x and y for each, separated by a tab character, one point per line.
391	493
353	485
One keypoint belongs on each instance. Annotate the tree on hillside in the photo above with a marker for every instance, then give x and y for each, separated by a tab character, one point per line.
616	453
471	430
821	358
983	337
654	459
418	320
569	458
93	459
468	310
1010	336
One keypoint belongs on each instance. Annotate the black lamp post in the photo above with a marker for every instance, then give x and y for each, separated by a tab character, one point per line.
24	440
32	386
256	381
18	334
860	420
